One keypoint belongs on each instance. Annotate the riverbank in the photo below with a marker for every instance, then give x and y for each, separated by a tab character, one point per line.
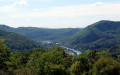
71	51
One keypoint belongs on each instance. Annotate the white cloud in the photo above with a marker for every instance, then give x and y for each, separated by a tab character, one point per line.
74	10
5	0
12	8
6	9
20	3
99	4
42	0
62	16
28	0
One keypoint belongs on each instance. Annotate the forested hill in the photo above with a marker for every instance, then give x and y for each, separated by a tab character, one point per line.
17	42
100	35
42	34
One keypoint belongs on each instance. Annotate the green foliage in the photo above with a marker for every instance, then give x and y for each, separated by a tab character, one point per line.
85	63
17	42
25	71
57	57
78	68
101	36
106	66
54	69
4	55
115	50
40	34
56	61
34	56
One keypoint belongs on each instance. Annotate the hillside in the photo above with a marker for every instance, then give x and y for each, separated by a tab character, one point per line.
115	50
42	34
100	35
17	42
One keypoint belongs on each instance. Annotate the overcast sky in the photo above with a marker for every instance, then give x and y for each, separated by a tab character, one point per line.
57	13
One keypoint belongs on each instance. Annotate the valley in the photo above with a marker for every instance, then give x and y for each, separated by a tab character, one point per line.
66	51
95	36
59	37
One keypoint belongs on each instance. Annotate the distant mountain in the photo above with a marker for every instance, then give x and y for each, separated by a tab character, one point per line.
42	34
100	35
17	42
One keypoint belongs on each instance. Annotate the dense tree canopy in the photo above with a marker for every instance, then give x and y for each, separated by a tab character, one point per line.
17	42
56	61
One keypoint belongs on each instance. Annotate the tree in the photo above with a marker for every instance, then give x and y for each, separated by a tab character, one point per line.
4	55
54	69
93	57
54	62
106	66
34	56
81	65
77	68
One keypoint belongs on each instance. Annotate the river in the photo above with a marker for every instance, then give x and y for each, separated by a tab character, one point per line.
70	49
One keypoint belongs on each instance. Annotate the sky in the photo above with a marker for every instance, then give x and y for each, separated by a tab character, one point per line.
57	13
